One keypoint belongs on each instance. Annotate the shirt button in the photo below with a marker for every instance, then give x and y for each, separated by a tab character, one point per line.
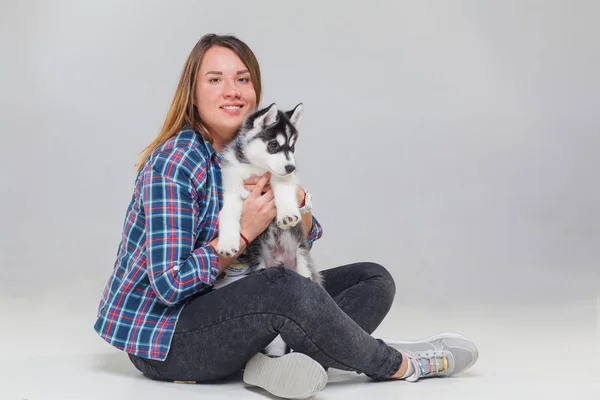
176	268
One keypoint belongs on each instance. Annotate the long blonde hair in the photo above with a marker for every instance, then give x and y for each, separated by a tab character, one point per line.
183	110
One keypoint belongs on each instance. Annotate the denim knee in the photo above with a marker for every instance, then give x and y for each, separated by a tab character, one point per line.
286	284
381	274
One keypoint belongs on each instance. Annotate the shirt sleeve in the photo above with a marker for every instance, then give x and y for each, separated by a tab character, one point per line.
176	268
315	233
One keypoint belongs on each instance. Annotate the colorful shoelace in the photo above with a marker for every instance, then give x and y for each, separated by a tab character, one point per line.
432	364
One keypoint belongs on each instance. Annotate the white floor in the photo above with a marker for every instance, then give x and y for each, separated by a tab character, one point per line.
551	351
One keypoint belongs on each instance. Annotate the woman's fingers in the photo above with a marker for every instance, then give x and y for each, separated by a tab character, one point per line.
251	187
259	187
269	196
251	183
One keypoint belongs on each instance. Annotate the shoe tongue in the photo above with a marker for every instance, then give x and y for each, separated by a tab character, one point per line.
417	374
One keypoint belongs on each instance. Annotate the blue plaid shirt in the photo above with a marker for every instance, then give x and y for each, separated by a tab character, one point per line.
163	258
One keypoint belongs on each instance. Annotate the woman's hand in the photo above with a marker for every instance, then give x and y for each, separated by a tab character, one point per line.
250	183
258	209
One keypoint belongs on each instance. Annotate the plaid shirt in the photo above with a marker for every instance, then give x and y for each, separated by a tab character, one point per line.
163	260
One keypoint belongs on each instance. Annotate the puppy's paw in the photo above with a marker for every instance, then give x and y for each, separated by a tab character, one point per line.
228	245
289	219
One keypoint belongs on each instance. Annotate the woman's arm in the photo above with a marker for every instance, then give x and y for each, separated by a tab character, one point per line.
307	219
312	227
224	262
176	268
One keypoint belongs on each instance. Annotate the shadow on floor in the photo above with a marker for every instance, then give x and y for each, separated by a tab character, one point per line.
114	363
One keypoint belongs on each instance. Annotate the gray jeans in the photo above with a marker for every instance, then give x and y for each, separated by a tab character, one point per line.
218	332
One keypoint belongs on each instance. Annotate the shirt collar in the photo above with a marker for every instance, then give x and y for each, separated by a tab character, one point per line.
216	157
214	154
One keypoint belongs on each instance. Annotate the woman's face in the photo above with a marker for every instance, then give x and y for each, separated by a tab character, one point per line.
224	93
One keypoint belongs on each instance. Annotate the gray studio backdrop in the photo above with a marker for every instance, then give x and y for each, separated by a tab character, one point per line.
455	142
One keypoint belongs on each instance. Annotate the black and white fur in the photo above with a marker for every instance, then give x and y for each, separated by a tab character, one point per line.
265	142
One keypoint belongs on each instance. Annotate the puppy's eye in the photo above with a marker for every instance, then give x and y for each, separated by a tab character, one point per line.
273	145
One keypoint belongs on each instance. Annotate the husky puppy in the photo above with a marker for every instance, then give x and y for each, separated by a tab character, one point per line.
266	142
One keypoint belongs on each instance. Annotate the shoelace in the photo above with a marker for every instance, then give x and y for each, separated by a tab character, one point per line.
428	364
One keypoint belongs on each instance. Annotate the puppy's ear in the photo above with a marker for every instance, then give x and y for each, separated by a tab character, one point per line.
296	114
268	116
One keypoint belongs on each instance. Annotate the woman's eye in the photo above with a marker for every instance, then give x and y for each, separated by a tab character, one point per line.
213	80
245	80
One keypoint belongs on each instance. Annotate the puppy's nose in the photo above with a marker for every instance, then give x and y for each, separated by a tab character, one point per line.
290	168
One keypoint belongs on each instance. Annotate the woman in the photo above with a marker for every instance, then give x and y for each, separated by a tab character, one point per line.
161	304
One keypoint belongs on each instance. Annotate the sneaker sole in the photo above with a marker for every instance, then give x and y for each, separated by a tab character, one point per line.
437	336
292	376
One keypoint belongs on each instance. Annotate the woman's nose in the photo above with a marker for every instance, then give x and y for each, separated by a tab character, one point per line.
231	89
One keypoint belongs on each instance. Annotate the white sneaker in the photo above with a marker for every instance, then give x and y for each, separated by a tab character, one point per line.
438	355
292	376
